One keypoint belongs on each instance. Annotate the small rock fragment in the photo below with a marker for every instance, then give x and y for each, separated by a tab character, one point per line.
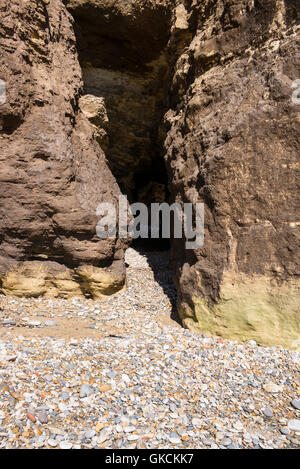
296	403
65	445
272	388
174	438
294	425
51	442
86	390
267	411
31	417
43	416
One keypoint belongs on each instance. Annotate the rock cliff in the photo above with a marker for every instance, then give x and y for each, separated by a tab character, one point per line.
53	172
192	97
233	144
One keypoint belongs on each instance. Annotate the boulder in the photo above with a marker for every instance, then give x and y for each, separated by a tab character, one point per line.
53	173
233	145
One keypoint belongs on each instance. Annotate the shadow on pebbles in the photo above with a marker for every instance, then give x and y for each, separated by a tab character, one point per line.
122	374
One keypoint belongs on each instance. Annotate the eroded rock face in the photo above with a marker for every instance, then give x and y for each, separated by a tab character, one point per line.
122	51
53	173
233	144
220	72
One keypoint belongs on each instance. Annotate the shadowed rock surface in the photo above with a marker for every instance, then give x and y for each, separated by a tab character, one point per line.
204	87
122	51
234	145
53	172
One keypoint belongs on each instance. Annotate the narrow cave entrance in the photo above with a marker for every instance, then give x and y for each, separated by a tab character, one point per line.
125	71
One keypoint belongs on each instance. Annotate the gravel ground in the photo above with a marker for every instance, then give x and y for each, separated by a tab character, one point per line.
122	374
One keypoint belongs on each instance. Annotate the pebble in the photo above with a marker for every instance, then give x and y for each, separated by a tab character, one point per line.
225	442
129	429
267	411
50	324
294	425
174	438
251	343
31	417
9	322
56	431
272	388
284	431
296	403
43	416
233	446
196	422
65	445
86	390
53	443
104	435
89	434
34	323
138	380
238	426
132	437
141	445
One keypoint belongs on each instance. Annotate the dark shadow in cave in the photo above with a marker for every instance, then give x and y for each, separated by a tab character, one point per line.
125	70
157	252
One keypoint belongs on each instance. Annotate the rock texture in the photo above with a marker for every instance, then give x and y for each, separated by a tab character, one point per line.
122	51
210	79
53	173
233	144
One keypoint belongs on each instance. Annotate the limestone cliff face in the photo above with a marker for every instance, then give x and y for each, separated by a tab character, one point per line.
233	144
206	85
53	173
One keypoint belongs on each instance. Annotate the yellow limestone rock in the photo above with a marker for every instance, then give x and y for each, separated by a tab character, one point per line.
250	308
34	279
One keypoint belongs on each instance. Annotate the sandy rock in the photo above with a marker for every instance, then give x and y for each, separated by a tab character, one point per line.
231	147
53	173
193	96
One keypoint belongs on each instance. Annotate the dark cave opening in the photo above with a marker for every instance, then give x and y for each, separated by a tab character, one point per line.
124	97
132	140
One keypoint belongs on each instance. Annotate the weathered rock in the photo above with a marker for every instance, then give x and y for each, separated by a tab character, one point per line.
53	173
122	51
296	403
222	74
233	144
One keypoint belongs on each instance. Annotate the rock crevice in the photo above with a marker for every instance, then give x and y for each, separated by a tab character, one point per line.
183	101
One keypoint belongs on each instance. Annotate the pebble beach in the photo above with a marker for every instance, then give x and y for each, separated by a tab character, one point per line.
123	374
